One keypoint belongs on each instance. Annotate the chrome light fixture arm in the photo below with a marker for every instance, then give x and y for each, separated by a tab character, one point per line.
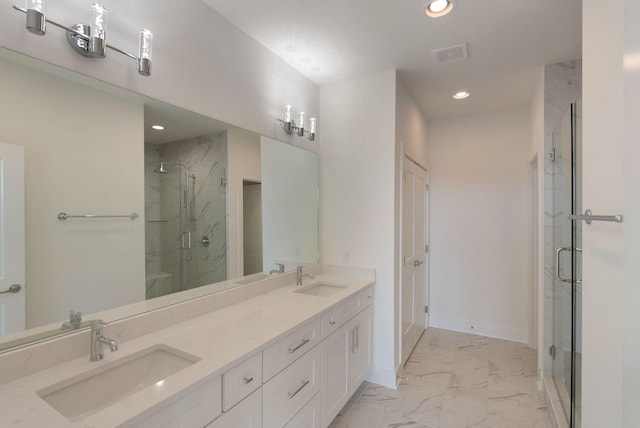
79	37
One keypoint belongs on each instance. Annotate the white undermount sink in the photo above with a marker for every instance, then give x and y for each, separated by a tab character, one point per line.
321	289
84	394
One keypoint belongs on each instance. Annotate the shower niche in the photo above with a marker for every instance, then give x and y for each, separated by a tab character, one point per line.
185	214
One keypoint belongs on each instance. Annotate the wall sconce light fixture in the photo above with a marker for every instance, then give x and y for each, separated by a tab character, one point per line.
89	40
291	127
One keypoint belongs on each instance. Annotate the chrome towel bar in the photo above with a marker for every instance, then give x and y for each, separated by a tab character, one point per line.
588	217
64	216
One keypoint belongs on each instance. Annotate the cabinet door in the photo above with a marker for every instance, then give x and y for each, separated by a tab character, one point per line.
360	358
308	417
335	373
246	414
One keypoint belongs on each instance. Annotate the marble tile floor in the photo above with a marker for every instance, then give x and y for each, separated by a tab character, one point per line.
455	380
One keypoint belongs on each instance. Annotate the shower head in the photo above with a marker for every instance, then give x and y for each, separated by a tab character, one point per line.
161	169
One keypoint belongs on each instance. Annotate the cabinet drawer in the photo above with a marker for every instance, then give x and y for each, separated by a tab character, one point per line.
346	310
330	322
241	381
308	417
350	307
282	353
367	296
287	393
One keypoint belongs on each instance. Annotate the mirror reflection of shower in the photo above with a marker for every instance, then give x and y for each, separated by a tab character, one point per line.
188	203
185	202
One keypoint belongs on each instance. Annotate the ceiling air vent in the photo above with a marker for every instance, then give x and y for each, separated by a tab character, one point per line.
450	54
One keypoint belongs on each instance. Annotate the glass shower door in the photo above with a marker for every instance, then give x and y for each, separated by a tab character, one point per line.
567	284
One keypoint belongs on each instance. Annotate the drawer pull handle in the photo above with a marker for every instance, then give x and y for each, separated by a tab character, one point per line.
302	385
300	345
247	380
332	322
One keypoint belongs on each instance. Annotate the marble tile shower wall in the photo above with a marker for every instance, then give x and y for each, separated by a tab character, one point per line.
151	209
191	197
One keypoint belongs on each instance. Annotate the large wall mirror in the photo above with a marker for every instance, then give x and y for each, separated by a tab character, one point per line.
217	206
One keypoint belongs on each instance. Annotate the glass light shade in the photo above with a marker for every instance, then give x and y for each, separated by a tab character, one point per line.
287	113
146	44
36	16
301	120
98	21
312	125
37	5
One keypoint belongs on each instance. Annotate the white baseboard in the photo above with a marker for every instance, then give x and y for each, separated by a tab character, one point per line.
482	328
382	377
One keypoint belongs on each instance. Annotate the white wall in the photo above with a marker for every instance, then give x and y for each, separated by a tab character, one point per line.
84	155
357	179
411	126
243	151
610	255
479	213
200	61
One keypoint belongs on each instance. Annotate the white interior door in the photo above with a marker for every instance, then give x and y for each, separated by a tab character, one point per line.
12	247
413	256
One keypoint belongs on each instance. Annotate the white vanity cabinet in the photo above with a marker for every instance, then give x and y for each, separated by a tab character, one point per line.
302	380
346	358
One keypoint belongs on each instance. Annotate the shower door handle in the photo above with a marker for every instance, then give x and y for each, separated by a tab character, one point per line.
186	235
558	251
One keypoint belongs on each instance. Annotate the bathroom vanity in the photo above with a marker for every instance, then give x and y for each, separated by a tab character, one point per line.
285	355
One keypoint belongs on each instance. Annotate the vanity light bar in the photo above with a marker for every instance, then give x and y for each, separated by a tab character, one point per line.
291	127
88	40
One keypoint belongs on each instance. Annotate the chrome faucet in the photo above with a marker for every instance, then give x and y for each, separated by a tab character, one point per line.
75	321
98	339
279	270
300	275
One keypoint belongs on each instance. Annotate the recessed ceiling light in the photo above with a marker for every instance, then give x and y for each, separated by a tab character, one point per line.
461	95
158	127
437	8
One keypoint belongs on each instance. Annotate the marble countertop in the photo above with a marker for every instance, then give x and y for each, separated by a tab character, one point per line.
221	339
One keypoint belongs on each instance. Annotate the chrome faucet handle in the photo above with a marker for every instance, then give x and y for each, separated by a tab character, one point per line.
75	317
279	270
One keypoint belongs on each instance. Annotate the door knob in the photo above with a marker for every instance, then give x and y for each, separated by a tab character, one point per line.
13	289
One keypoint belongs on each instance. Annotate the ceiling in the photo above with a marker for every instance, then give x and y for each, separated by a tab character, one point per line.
332	40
